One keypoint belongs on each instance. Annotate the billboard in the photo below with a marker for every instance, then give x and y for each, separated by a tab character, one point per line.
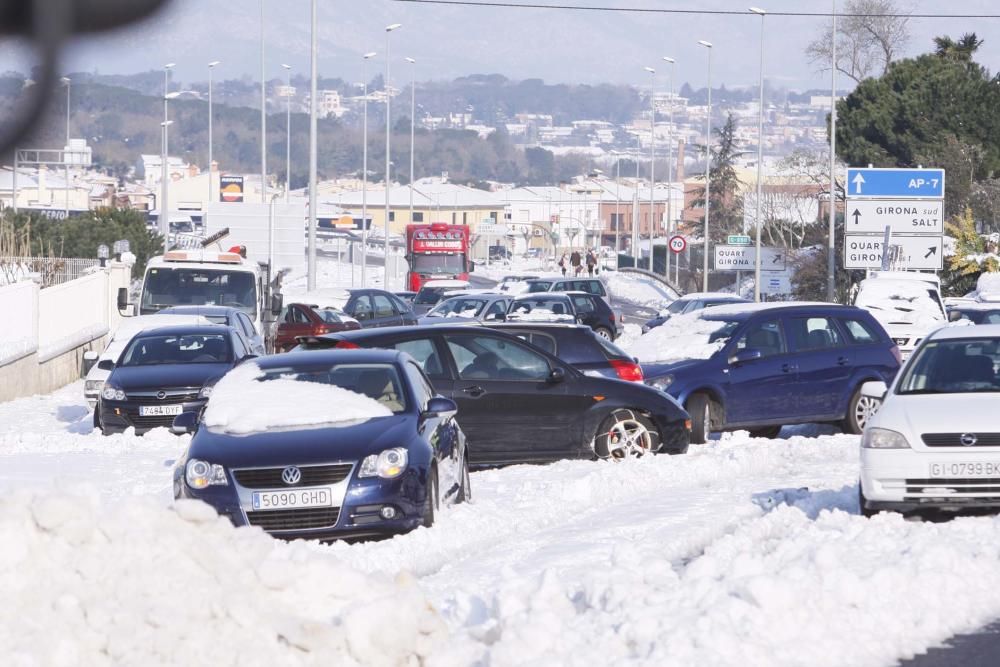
230	188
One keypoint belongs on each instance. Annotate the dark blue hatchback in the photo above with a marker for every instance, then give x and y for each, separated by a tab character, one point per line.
272	452
765	366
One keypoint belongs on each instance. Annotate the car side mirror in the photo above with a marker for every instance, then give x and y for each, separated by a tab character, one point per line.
122	298
874	389
363	316
248	358
185	422
556	375
106	365
277	303
440	407
743	356
955	316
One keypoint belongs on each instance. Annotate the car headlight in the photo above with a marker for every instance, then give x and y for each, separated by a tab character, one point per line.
883	438
200	474
206	391
93	386
663	383
645	329
112	393
387	465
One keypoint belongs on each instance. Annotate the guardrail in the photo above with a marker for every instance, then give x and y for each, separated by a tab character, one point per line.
49	270
650	274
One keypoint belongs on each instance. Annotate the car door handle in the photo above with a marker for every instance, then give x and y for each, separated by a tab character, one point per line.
474	391
843	361
788	368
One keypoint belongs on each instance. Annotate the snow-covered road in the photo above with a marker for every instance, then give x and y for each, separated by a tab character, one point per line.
742	552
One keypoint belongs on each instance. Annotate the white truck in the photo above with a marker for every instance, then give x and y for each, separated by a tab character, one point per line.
906	303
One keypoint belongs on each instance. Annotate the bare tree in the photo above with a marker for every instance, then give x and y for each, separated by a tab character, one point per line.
870	35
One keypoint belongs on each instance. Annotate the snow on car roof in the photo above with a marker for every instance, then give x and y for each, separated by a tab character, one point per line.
743	309
132	326
687	336
446	283
959	332
707	295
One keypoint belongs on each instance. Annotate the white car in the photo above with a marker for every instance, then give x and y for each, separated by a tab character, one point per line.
129	327
935	441
906	303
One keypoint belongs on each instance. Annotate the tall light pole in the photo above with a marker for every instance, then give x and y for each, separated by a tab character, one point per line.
618	208
211	191
413	124
364	173
311	279
708	166
164	220
670	158
388	145
652	159
288	132
760	158
263	113
66	81
831	287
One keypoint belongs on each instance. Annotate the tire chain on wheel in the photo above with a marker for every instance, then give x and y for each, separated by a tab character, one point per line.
654	435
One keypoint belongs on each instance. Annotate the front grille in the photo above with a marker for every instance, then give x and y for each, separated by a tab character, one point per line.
955	439
136	399
270	478
301	519
900	341
151	422
957	486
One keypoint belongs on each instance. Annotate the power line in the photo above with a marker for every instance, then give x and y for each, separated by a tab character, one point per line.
509	4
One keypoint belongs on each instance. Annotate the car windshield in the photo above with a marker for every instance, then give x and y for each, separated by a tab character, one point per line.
430	295
458	307
676	307
167	286
961	366
178	349
534	288
379	382
447	264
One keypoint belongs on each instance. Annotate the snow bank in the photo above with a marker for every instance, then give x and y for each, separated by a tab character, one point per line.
241	404
144	585
681	337
988	284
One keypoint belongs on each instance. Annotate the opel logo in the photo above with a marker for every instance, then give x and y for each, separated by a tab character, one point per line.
969	439
161	395
291	475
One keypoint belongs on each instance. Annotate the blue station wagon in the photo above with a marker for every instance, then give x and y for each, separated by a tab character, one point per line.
772	365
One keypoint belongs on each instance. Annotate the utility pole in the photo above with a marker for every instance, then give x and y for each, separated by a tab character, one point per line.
311	279
831	259
263	113
708	168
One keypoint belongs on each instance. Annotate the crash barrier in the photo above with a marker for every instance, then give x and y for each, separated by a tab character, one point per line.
47	330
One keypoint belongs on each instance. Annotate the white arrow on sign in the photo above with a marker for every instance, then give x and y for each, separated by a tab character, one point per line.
858	181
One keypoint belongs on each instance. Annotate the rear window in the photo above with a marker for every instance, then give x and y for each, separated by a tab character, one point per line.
858	332
611	350
534	288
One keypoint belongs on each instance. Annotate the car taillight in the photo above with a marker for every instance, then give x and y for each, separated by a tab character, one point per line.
346	345
320	329
896	353
627	370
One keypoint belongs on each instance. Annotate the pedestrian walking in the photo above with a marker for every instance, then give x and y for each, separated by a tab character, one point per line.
591	262
577	262
562	264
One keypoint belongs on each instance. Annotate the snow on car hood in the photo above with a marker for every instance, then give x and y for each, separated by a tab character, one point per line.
896	303
681	337
241	404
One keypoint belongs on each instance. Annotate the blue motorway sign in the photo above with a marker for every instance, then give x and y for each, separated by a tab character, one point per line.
895	183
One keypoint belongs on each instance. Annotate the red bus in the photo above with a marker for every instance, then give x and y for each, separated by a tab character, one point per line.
436	251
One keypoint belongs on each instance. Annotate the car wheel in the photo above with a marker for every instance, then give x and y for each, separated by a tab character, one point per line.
768	432
699	407
860	411
604	333
431	503
865	512
465	491
626	434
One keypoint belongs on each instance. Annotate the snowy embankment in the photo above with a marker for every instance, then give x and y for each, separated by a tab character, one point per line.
638	289
741	552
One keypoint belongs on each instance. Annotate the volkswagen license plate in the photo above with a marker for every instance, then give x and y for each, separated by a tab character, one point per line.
291	499
160	410
966	469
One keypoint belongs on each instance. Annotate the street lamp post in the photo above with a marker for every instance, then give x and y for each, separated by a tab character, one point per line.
263	114
313	74
831	288
68	83
618	209
670	158
708	166
760	158
364	173
388	144
288	132
652	160
164	216
211	190
413	114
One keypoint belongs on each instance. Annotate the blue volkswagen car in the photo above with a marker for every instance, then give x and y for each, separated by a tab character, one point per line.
164	372
324	473
765	366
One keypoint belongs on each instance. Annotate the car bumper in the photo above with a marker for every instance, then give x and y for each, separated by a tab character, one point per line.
359	514
675	435
906	480
116	417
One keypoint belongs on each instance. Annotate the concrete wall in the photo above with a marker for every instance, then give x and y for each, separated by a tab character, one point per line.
46	331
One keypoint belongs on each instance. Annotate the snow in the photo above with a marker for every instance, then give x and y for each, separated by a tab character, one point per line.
638	289
895	302
681	337
241	404
988	284
539	315
742	552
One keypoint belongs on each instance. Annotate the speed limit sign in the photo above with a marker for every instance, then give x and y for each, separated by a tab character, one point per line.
678	244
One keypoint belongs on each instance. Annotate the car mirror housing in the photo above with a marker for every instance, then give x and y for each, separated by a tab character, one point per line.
556	375
122	298
441	407
185	422
277	303
744	356
106	365
874	389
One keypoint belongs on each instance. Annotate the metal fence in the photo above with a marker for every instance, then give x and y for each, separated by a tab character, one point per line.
48	271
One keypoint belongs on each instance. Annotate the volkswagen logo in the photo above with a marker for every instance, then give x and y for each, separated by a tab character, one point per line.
291	475
161	395
968	439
